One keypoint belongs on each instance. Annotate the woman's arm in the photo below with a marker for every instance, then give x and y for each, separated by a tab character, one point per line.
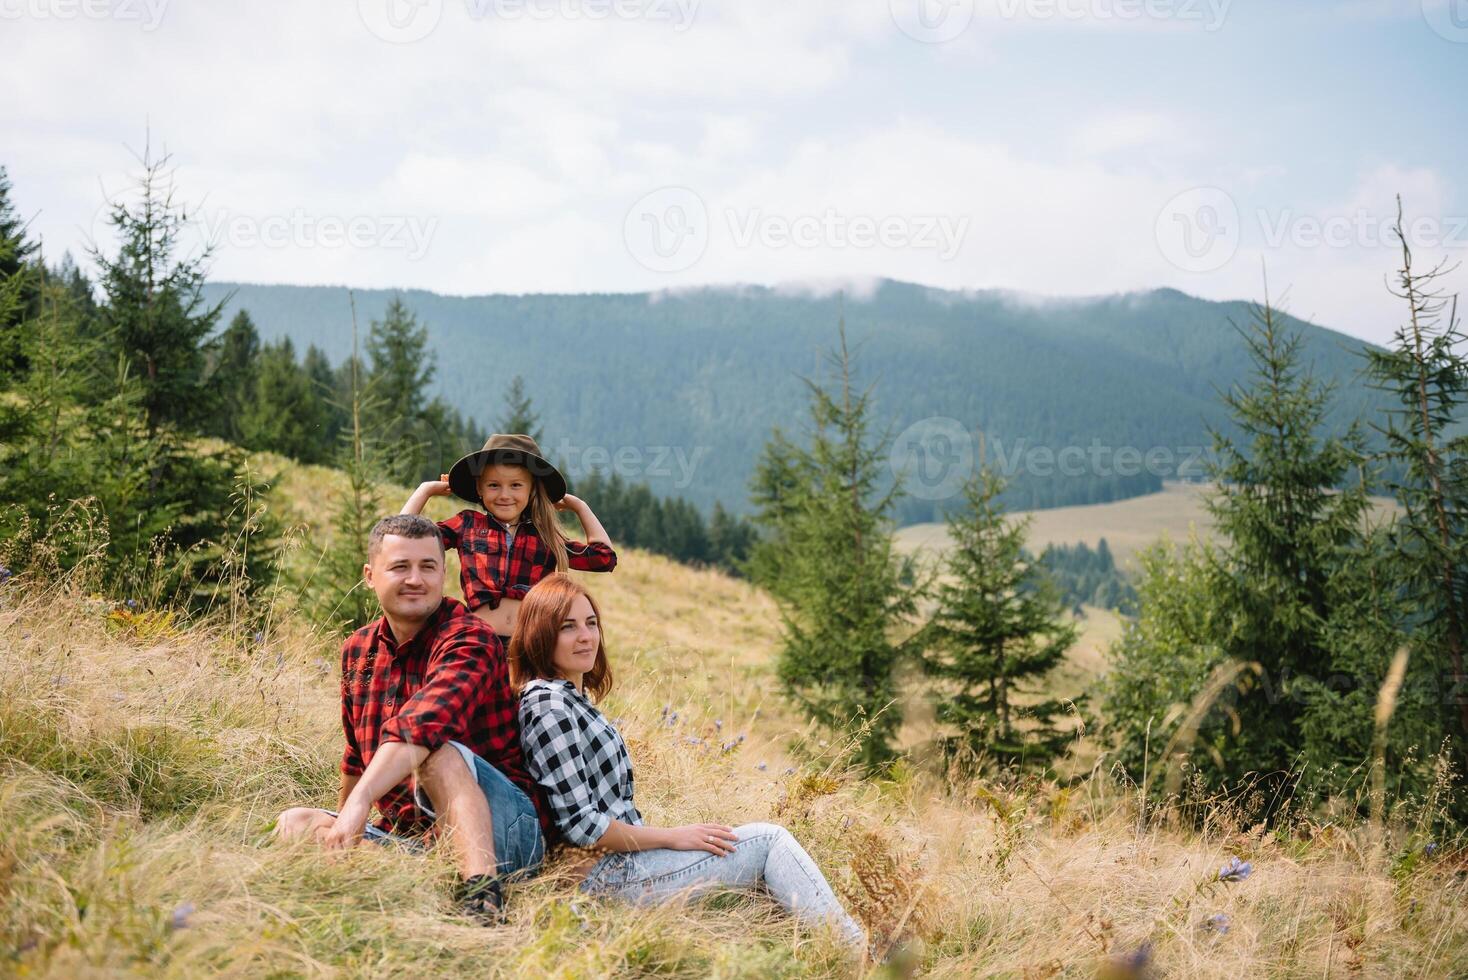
429	488
715	838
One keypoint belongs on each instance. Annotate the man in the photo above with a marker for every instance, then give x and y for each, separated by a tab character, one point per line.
426	693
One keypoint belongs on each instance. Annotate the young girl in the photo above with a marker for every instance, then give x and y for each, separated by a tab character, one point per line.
560	666
516	540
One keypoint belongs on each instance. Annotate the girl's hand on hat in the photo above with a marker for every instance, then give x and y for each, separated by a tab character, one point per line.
435	488
569	502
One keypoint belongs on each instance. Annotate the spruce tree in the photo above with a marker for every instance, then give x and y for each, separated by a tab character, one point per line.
1426	369
829	561
1286	501
518	414
998	630
236	369
154	311
17	255
284	415
400	368
334	594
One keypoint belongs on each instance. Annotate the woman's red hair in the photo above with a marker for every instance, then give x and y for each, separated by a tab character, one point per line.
537	627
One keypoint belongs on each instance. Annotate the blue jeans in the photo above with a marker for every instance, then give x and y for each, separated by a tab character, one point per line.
518	843
766	855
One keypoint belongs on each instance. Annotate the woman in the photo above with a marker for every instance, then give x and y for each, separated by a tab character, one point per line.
558	662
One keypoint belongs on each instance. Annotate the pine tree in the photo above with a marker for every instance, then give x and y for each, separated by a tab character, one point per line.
999	629
323	384
829	561
234	375
284	414
400	368
17	254
154	311
1291	513
518	414
1426	369
334	594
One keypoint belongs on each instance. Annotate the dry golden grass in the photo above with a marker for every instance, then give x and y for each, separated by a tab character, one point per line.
139	777
1128	526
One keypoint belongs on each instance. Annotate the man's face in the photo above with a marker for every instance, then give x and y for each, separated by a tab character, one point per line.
407	575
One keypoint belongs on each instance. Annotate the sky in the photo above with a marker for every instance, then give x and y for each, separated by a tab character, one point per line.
1049	147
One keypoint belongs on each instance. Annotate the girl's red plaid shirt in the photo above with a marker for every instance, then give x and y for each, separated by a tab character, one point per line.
489	571
450	682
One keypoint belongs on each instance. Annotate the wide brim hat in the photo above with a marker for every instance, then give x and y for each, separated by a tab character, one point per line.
510	449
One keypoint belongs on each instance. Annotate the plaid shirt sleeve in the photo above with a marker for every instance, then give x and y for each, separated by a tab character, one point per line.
456	686
452	530
352	753
593	557
552	744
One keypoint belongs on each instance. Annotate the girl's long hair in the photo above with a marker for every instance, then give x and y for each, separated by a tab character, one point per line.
537	627
543	515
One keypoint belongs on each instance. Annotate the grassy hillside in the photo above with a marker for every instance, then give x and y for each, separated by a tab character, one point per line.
1176	512
142	761
706	373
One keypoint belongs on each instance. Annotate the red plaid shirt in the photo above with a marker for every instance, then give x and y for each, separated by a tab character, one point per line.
489	571
450	682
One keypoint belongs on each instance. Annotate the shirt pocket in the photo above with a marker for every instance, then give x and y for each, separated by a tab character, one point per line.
482	541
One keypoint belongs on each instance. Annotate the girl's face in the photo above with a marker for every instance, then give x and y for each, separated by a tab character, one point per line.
505	490
577	638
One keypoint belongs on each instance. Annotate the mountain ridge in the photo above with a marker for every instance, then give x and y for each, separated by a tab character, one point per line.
710	370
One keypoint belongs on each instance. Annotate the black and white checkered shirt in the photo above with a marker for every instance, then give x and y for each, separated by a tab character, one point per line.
578	757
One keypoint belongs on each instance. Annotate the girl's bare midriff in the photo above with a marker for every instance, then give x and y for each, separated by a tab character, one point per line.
501	619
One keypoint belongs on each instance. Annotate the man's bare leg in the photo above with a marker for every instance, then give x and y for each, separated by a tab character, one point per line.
463	810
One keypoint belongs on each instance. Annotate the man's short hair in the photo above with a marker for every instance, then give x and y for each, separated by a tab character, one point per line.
402	526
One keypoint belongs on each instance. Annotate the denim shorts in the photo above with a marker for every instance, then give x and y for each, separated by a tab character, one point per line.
518	843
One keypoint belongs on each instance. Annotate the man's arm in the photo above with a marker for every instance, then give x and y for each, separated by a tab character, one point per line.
390	765
348	783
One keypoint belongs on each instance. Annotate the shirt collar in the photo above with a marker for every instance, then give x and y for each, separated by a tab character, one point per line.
554	682
435	620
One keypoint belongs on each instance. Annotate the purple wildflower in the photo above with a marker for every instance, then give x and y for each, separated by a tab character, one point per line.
180	917
1235	870
1218	923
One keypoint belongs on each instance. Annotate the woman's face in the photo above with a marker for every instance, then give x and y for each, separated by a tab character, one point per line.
505	490
577	640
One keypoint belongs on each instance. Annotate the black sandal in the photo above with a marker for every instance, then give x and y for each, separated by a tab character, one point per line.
482	899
